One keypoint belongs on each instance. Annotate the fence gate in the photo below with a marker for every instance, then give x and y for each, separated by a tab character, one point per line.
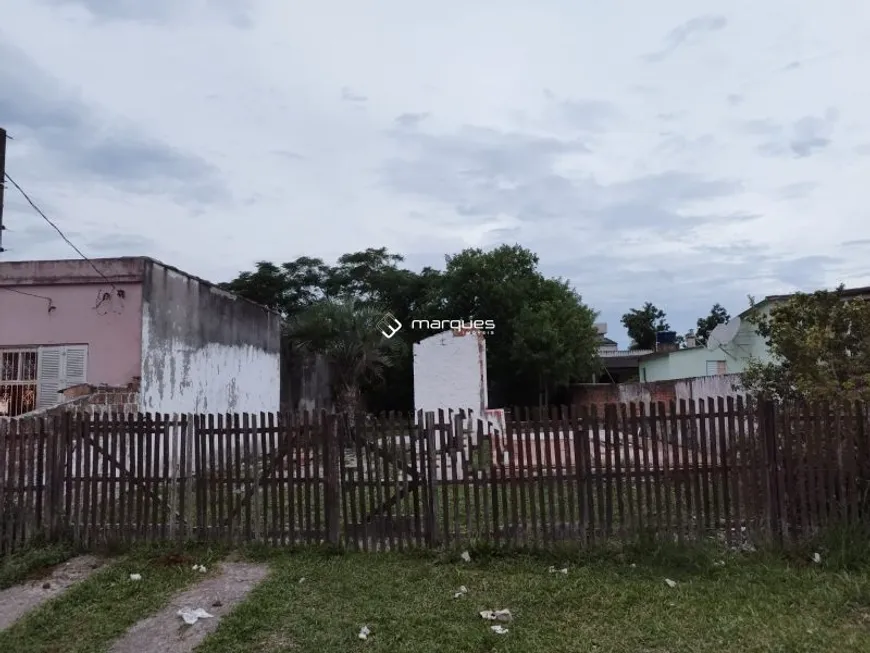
385	483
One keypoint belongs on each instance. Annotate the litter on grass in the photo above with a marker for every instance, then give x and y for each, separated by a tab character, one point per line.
671	583
719	563
817	558
563	570
364	632
463	590
466	556
135	576
499	630
496	615
192	615
199	568
302	580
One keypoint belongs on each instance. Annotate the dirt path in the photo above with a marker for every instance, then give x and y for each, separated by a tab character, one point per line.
165	632
16	601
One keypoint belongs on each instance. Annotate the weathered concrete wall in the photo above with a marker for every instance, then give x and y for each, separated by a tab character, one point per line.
700	387
205	350
705	387
450	372
305	382
46	303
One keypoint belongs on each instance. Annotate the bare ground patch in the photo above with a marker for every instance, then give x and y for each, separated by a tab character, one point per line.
17	601
165	632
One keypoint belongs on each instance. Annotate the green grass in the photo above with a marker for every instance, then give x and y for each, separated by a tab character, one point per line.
749	604
32	563
612	599
91	614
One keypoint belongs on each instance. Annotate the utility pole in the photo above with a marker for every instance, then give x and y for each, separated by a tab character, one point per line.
2	181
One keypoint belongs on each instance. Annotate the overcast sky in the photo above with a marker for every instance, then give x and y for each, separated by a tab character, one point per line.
668	151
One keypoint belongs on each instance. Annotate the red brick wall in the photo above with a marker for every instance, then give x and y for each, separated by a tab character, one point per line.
601	394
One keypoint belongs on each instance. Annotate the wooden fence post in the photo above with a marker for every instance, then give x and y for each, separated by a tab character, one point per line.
173	459
331	468
432	481
767	419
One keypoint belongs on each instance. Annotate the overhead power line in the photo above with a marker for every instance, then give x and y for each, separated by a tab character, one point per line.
57	229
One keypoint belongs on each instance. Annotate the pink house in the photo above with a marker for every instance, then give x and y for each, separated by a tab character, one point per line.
181	343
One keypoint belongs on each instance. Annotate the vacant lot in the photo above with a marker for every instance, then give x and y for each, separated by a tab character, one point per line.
407	602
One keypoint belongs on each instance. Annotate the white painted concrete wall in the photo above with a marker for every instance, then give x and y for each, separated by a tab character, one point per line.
706	387
205	350
212	379
450	372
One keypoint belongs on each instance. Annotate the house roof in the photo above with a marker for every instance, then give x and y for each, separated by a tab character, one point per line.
117	270
861	291
605	341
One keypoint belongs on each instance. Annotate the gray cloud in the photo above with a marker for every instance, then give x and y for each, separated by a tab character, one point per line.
803	138
734	99
805	271
797	190
37	110
238	12
860	242
685	286
288	154
863	149
410	120
682	34
590	115
121	245
348	95
482	174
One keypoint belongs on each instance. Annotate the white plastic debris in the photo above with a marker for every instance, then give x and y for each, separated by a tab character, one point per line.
633	565
302	580
553	570
496	615
192	615
135	576
463	590
200	568
499	630
671	583
466	556
817	558
719	563
364	632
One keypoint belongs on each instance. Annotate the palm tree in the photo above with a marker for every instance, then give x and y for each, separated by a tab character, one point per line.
347	334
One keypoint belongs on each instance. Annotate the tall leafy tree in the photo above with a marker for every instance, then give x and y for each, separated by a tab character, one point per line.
820	348
544	334
718	315
287	288
642	325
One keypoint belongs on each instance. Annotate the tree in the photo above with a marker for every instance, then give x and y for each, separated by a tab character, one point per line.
554	339
718	315
642	325
346	333
820	349
287	288
544	335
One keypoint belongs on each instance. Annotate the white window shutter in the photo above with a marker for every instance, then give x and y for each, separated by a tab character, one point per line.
75	366
48	373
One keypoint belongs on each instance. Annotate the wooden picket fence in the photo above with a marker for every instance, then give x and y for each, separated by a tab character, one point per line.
686	470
